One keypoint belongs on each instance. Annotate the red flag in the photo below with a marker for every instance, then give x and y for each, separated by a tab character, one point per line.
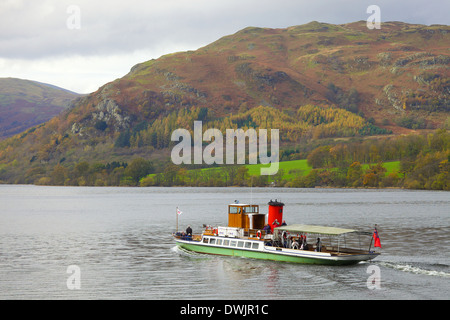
376	238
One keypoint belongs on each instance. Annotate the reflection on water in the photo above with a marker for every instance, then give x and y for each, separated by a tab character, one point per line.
120	239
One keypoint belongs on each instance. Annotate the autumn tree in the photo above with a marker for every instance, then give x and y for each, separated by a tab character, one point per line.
58	175
354	174
139	168
374	175
242	176
318	158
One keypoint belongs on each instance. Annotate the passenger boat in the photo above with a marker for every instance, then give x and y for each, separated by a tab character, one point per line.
248	234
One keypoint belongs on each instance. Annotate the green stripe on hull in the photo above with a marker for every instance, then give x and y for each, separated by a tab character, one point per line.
260	255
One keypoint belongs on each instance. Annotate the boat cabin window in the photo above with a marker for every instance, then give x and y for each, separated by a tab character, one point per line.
219	242
255	245
226	242
233	244
240	244
248	245
251	209
205	240
212	241
233	209
243	209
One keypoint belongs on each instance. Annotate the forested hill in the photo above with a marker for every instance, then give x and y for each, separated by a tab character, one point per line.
313	82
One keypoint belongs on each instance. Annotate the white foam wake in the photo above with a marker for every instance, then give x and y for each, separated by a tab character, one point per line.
415	270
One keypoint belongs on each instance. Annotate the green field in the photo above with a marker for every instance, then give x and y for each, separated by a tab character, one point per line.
290	173
289	169
293	168
392	166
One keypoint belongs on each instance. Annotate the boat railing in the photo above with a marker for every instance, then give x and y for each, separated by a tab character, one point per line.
188	237
254	233
324	248
236	232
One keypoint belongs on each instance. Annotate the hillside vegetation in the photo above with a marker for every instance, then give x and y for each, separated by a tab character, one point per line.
321	85
424	164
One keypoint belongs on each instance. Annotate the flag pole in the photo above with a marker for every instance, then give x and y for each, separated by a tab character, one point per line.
371	239
176	213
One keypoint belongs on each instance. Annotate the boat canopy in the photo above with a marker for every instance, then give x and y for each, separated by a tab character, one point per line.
303	228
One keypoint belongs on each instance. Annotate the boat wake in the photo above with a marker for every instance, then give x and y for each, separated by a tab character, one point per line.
414	269
189	253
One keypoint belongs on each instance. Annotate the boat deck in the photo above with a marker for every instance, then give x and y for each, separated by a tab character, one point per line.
311	248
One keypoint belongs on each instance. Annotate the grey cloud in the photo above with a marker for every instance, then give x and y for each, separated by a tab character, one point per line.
37	28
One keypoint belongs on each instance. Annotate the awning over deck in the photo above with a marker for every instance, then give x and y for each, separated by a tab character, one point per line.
303	228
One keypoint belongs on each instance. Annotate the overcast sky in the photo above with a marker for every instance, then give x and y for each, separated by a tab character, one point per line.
82	44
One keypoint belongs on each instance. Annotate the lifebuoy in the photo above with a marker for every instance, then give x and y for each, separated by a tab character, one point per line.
258	234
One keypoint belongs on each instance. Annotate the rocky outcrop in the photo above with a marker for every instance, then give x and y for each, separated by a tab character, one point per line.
392	96
108	111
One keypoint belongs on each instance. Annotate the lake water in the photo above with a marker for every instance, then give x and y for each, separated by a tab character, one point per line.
120	241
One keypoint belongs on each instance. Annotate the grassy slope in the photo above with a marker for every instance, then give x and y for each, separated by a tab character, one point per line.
287	166
296	167
301	166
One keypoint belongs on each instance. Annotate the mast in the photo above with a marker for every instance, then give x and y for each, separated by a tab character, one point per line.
371	239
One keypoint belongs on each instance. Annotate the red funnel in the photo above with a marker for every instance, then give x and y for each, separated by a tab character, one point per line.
275	214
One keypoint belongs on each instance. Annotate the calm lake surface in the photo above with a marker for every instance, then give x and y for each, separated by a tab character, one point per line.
120	241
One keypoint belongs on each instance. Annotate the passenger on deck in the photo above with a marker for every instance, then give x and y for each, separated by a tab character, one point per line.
267	229
189	231
284	223
318	245
304	243
275	223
